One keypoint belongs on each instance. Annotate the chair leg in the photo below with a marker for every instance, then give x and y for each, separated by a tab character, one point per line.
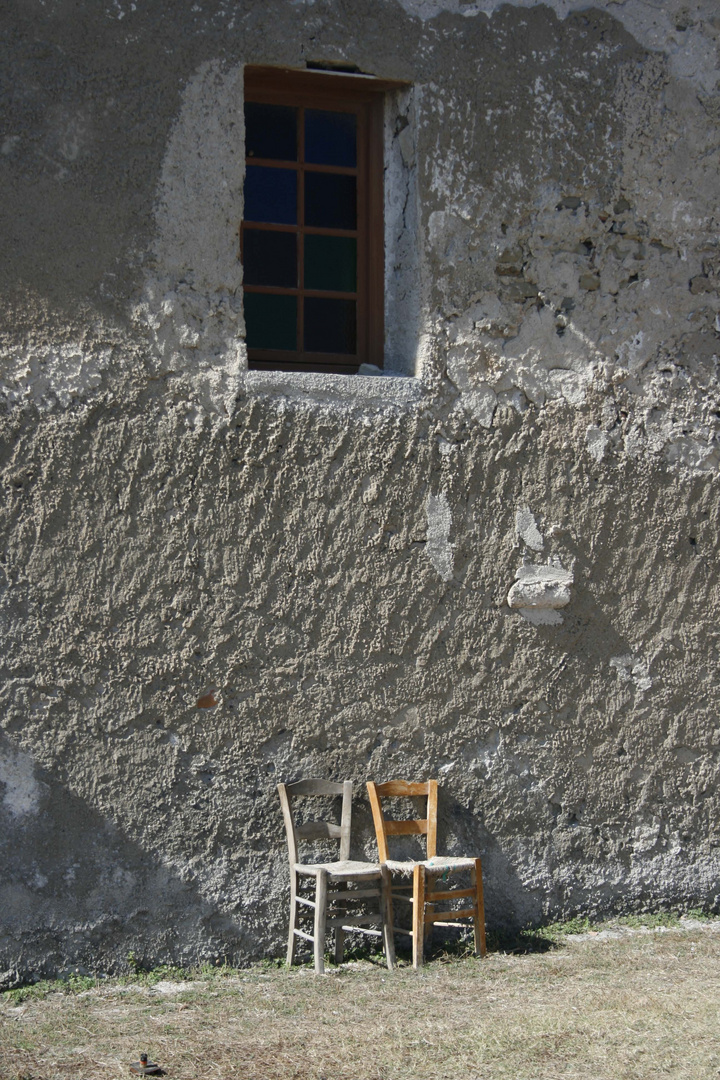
320	916
430	886
293	920
386	910
479	918
418	916
339	944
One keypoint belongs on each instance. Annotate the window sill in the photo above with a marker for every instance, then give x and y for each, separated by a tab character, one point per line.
321	387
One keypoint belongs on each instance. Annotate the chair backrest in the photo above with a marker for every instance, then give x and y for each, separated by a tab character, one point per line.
316	830
426	826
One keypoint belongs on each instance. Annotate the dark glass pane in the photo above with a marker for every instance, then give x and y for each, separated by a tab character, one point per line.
330	325
269	258
271	131
330	200
271	195
331	263
271	321
330	138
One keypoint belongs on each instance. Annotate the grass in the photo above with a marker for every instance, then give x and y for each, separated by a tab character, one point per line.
631	1007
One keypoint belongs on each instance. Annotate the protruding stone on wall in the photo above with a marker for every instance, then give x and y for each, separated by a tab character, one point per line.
538	592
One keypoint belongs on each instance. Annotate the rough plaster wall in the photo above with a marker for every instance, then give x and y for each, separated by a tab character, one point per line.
318	600
335	555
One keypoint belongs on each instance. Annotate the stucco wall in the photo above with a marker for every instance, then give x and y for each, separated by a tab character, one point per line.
335	554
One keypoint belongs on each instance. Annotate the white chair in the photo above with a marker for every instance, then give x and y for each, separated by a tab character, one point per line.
345	870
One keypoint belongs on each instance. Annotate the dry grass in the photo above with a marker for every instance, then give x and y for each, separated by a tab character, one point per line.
646	1005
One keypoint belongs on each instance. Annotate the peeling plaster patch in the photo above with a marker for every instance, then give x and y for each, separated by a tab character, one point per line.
596	442
569	384
404	318
541	616
438	547
526	529
631	669
22	791
634	353
481	404
653	25
691	454
489	751
9	143
53	376
193	312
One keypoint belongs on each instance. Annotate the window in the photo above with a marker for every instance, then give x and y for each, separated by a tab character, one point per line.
311	241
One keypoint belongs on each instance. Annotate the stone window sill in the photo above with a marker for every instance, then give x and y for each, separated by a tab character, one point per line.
353	389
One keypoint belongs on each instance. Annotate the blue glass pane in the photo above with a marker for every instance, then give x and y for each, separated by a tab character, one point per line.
271	131
330	138
270	258
331	263
270	321
330	200
271	195
330	325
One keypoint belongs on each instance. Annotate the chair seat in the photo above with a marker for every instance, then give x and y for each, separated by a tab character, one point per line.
342	869
437	865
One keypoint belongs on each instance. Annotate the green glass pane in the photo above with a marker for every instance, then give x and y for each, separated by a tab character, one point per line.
271	321
331	263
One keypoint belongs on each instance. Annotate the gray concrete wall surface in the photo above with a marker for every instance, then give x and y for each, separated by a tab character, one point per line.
495	564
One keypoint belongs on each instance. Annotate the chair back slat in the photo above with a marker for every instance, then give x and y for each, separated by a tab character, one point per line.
316	787
426	826
316	830
400	788
406	828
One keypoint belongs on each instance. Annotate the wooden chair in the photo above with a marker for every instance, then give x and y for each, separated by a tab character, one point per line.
425	873
344	870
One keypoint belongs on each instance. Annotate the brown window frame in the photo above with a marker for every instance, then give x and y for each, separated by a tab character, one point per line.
364	96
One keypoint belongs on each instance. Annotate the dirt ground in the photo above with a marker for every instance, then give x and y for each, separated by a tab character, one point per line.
614	1005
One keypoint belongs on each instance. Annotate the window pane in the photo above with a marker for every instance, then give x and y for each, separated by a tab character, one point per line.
269	258
330	201
330	325
330	138
271	131
271	321
331	263
271	195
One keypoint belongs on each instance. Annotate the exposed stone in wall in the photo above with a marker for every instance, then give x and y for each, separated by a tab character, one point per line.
332	557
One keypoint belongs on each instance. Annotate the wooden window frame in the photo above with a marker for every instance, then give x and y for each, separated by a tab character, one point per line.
364	96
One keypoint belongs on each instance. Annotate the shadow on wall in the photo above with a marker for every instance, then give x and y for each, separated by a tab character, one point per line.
75	892
509	904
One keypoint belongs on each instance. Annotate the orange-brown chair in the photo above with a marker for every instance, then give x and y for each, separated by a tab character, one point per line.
426	872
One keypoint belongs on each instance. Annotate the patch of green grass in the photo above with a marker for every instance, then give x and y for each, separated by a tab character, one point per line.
580	924
551	935
71	984
75	983
152	976
649	921
700	914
